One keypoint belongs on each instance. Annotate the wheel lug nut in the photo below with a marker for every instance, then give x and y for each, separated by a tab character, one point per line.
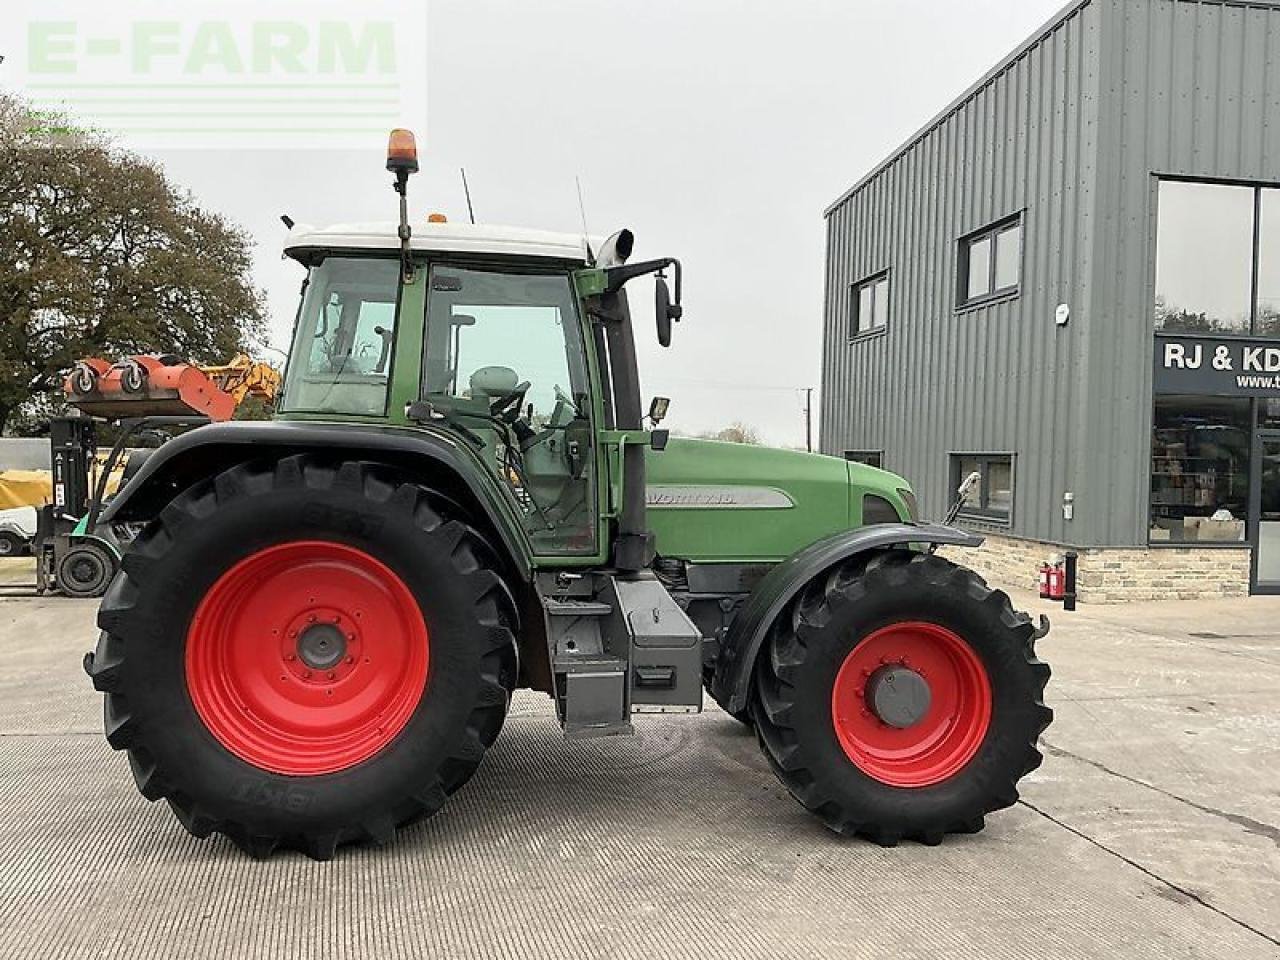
351	659
307	674
293	634
311	618
290	656
332	675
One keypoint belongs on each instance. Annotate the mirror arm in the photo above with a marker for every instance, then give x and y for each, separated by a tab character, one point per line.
617	276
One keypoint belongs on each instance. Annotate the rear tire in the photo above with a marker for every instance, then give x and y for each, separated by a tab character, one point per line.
291	768
973	737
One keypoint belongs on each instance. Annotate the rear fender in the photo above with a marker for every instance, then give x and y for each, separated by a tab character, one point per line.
207	451
771	597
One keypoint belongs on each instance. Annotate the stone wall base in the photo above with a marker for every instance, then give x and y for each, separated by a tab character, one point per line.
1115	574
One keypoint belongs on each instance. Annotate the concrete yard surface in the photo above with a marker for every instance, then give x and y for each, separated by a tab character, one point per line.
1151	830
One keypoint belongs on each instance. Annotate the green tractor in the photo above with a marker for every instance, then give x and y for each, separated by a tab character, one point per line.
316	633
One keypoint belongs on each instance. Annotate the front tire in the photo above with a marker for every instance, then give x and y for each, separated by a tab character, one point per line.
901	698
85	571
301	654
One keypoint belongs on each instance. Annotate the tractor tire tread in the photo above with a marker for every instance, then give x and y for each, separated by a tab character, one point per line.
774	700
125	626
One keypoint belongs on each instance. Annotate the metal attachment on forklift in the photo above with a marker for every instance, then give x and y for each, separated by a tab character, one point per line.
162	385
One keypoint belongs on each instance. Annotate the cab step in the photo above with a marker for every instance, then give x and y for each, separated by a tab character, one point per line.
560	607
619	645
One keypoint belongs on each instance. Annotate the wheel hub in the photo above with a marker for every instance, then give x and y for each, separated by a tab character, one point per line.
322	646
307	658
84	570
898	696
911	704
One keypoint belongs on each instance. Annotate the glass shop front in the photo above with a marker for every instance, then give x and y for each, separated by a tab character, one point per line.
1215	441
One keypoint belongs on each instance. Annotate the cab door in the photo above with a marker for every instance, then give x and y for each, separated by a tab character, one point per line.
506	369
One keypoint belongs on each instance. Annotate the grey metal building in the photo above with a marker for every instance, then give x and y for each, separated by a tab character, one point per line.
1005	290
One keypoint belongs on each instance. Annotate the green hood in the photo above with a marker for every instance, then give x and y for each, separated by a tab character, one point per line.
729	502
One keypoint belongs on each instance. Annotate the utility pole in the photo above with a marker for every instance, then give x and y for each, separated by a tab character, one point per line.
808	419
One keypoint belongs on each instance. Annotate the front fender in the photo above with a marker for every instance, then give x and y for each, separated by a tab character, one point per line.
206	451
732	681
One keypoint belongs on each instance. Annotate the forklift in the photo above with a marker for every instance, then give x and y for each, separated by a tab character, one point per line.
70	560
76	555
142	399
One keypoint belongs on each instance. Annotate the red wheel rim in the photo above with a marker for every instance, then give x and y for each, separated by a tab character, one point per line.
307	658
949	733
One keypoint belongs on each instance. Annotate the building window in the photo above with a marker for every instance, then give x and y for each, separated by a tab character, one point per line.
991	262
872	458
992	498
1200	469
870	304
1266	318
1204	258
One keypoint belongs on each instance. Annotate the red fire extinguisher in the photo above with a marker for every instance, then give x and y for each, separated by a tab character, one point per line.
1057	582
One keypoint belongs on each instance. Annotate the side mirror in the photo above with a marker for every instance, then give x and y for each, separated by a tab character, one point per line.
658	407
664	309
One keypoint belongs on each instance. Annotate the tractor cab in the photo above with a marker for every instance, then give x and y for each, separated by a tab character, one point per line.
514	343
486	342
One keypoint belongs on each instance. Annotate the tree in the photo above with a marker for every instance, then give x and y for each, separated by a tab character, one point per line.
736	432
1174	319
103	256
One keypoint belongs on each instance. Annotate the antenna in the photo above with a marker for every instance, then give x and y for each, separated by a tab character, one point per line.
582	209
467	190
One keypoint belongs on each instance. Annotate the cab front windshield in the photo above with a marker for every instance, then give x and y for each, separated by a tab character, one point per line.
341	356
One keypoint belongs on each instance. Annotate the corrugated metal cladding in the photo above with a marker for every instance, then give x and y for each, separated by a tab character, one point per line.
1070	130
1193	90
995	379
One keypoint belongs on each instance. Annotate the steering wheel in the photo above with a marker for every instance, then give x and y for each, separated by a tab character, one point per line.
507	407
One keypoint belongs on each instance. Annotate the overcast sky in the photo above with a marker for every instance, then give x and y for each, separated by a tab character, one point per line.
717	131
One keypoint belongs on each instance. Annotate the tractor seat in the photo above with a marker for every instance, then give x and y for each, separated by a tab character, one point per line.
493	382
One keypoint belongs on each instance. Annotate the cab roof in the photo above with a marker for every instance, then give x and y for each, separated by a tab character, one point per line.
444	237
